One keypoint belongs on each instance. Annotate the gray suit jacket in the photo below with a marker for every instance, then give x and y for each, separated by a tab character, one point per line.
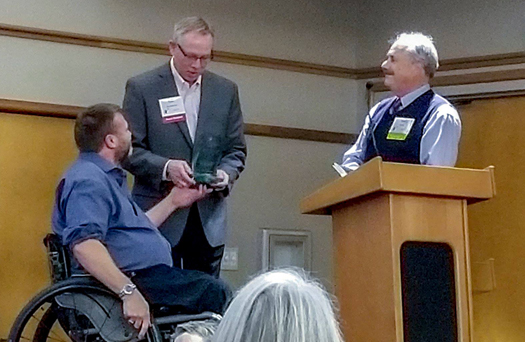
154	142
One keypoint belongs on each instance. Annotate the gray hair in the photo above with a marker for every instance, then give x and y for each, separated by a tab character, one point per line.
191	24
204	329
280	306
421	48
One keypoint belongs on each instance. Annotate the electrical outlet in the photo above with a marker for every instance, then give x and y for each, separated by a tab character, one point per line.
229	259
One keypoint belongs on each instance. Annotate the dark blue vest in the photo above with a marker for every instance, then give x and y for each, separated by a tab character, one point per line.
401	151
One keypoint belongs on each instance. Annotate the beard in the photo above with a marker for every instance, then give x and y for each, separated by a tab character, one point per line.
124	152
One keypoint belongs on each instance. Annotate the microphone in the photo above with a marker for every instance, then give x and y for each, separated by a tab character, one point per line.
371	127
368	86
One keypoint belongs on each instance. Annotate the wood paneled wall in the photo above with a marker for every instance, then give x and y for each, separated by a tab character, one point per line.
34	152
493	134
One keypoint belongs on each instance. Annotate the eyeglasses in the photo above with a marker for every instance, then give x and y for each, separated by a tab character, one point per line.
193	58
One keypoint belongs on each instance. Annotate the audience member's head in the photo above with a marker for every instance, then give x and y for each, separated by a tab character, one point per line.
196	331
280	306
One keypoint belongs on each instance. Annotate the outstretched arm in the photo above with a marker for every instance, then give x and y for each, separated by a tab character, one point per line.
178	198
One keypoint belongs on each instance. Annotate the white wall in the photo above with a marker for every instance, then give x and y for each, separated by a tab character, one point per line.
279	173
307	30
291	99
460	28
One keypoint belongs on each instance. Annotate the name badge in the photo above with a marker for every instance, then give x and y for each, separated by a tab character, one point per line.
172	109
400	128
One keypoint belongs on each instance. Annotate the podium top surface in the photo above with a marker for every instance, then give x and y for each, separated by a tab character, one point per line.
474	185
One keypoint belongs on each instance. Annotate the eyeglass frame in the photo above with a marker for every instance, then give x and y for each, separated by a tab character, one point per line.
203	59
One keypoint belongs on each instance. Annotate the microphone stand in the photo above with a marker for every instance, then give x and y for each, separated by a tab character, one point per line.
371	127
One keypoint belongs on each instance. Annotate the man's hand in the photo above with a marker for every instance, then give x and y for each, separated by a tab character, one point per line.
185	197
178	198
180	173
222	180
97	261
136	310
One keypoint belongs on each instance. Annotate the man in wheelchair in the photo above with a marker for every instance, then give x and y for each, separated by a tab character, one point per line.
112	239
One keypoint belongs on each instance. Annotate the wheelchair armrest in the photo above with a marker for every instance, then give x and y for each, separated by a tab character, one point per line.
84	281
182	318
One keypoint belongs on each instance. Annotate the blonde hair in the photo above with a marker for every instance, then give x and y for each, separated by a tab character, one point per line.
191	24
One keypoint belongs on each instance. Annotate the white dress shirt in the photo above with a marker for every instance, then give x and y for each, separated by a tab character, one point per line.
191	98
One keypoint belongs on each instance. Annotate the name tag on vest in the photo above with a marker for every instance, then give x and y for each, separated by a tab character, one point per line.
400	128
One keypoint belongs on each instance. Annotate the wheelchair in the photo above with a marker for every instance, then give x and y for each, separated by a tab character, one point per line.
81	309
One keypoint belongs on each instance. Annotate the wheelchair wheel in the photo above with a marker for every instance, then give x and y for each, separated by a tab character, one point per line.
44	328
75	310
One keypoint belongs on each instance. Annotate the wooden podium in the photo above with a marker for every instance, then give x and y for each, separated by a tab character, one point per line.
401	249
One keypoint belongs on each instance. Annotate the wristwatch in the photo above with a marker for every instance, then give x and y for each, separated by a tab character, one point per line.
127	290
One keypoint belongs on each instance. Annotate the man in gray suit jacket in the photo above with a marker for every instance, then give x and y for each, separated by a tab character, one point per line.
175	110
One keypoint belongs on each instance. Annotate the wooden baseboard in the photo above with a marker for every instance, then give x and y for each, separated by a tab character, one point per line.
471	78
162	49
70	112
465	63
250	60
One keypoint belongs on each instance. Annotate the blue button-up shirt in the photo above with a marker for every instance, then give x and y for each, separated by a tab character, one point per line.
93	202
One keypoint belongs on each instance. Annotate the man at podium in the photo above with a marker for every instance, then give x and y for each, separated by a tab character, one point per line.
416	125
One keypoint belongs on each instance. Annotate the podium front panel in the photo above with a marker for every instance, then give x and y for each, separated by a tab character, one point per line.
368	238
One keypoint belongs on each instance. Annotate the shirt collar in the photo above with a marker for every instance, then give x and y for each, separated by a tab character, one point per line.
105	165
410	97
96	159
181	82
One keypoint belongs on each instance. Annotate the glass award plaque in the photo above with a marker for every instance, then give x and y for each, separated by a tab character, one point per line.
206	158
